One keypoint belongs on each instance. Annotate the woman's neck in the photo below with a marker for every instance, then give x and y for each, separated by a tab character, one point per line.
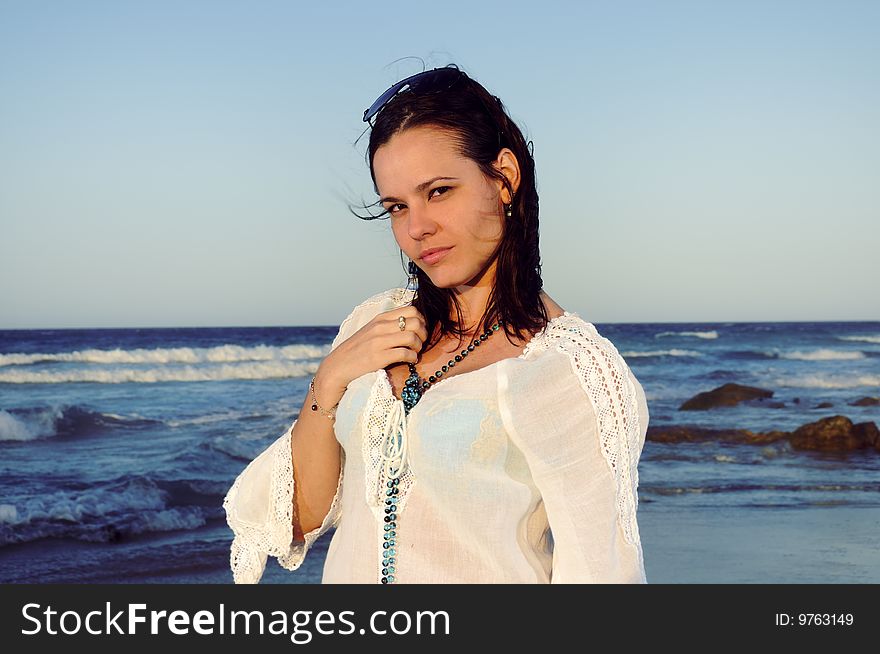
473	298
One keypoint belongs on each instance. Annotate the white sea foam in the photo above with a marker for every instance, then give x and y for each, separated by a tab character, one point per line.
707	334
868	338
252	371
184	517
132	506
661	353
193	355
136	496
8	513
824	354
829	381
37	425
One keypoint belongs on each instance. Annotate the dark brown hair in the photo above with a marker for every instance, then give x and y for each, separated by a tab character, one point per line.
480	128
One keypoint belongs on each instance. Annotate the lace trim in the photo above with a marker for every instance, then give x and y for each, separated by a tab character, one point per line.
254	543
603	374
398	297
385	441
384	427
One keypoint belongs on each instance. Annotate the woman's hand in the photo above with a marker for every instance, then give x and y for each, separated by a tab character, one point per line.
378	344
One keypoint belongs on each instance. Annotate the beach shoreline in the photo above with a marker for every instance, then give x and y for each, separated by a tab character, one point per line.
773	545
705	545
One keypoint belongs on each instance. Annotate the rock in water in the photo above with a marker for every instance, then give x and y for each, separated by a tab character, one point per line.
836	433
727	395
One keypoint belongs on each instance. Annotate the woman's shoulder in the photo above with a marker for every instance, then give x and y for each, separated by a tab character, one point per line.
571	359
392	298
561	333
569	343
366	310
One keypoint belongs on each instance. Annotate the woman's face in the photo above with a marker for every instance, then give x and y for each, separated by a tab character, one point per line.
437	198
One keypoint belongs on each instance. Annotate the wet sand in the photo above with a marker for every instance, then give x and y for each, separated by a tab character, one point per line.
827	544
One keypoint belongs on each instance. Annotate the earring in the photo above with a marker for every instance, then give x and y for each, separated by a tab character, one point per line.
508	210
413	277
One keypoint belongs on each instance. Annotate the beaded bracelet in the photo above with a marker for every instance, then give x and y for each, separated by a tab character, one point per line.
331	414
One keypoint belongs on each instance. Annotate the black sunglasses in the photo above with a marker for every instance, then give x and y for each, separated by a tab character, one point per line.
427	81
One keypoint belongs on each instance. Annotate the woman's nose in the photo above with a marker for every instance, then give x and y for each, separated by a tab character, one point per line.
421	223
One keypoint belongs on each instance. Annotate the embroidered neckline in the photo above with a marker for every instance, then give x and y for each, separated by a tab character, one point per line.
400	298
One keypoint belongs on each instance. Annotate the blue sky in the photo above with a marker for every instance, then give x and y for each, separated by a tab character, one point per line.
190	163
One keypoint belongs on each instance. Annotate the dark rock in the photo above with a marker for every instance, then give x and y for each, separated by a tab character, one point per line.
727	395
866	401
836	433
684	434
823	405
868	432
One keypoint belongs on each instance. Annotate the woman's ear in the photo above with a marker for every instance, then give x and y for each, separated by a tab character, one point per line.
509	167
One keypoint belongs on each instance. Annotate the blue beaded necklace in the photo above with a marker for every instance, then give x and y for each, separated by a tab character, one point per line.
414	386
412	392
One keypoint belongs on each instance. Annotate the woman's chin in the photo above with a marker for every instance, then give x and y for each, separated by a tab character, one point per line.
451	284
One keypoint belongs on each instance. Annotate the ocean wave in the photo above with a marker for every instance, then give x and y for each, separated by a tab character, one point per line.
107	512
828	381
747	355
712	334
824	354
868	338
225	416
661	353
721	374
735	487
192	355
32	423
821	354
252	371
235	448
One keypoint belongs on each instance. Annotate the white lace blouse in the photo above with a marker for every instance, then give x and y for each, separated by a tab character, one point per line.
524	471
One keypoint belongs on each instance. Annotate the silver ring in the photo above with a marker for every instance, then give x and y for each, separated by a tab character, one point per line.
401	322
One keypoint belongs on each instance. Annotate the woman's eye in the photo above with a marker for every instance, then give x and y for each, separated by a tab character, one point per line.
392	209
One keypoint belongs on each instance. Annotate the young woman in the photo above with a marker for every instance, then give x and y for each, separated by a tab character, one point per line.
466	428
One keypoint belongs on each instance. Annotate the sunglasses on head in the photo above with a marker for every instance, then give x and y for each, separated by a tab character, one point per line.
427	81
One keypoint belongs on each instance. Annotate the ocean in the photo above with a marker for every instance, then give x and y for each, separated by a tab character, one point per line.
117	447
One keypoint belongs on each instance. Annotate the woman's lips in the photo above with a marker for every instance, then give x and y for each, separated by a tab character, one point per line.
434	257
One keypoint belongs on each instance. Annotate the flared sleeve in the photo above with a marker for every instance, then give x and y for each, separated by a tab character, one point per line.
259	504
579	416
259	510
